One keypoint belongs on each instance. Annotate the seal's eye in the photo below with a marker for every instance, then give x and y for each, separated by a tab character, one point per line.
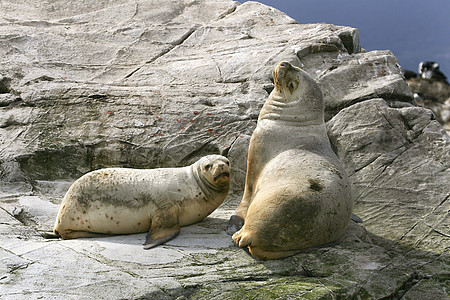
228	163
207	167
291	85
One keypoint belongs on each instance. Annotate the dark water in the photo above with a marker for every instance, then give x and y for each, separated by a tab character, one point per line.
414	30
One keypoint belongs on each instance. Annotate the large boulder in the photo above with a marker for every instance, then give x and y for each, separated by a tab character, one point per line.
398	161
86	85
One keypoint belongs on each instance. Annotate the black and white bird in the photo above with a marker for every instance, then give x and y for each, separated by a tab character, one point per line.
430	70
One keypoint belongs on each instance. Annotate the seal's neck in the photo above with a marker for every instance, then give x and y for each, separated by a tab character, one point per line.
298	112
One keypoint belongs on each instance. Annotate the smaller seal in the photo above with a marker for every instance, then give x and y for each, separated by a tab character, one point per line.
160	201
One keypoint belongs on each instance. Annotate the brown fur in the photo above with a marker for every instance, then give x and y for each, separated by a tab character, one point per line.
297	194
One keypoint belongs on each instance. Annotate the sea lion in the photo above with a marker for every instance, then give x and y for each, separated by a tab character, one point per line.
297	194
160	201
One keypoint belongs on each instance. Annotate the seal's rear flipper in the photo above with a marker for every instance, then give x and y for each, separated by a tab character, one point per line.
68	234
356	219
50	235
262	254
159	236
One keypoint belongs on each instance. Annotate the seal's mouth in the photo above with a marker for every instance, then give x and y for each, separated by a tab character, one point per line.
222	175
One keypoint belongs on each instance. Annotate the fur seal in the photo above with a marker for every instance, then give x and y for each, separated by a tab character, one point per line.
297	194
160	201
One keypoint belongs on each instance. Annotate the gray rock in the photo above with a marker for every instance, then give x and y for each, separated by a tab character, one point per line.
434	95
361	77
398	160
86	85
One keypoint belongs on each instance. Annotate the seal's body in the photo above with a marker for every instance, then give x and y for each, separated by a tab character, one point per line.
124	201
297	193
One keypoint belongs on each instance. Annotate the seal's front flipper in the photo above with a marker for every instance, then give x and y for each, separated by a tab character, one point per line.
164	227
234	224
160	236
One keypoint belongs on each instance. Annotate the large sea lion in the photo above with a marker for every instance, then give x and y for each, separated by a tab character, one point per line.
297	194
160	201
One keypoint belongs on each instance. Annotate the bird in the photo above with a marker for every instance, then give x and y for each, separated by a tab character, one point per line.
430	70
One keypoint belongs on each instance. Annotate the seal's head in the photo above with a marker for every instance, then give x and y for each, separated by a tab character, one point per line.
215	170
296	94
286	77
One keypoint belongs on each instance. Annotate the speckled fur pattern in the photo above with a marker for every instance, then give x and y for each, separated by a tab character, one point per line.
124	201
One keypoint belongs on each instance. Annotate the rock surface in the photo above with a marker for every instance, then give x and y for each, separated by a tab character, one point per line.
86	85
434	95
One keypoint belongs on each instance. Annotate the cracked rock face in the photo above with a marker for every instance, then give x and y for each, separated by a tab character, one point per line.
434	95
87	85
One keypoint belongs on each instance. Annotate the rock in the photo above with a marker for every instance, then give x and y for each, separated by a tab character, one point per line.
86	85
434	95
359	77
238	154
399	176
